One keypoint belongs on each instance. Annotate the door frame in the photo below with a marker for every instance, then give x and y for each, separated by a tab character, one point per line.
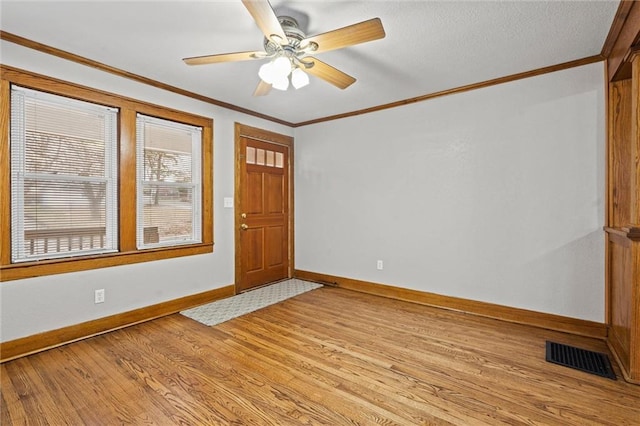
242	130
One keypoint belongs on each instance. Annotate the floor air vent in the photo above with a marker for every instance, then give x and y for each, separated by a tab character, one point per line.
580	359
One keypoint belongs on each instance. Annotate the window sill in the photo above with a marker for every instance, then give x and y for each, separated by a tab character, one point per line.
18	271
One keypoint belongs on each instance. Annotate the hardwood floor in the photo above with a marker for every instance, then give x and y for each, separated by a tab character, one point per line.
329	356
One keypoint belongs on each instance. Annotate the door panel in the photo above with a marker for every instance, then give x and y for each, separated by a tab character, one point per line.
254	238
255	198
274	188
273	243
262	214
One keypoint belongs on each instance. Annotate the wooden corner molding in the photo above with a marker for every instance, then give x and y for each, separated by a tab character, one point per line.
623	35
616	26
51	339
504	313
618	359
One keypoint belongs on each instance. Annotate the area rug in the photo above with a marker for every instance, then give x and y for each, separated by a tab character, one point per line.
232	307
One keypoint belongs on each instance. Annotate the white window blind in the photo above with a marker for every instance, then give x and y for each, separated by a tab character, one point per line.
168	183
63	177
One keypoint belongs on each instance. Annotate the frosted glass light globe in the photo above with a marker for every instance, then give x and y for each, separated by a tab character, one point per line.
282	66
267	73
281	83
299	78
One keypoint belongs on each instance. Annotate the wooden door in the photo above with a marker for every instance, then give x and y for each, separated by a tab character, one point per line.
263	236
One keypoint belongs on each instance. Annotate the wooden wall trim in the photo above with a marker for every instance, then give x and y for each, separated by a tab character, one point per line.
634	356
131	76
634	59
616	27
98	65
128	180
50	339
490	310
628	34
5	175
624	333
623	200
461	89
619	153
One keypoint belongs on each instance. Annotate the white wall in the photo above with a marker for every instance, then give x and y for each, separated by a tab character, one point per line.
46	303
494	195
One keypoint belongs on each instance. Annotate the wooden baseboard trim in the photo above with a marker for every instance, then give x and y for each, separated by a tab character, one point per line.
490	310
50	339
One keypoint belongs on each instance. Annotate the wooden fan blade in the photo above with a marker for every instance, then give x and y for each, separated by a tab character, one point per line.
224	57
347	36
262	89
328	73
266	19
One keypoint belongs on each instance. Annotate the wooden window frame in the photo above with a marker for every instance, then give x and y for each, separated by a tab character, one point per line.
128	108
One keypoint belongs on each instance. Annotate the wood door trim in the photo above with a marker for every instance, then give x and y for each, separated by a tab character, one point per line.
242	130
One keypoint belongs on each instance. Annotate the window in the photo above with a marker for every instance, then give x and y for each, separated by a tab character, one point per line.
168	165
77	190
63	177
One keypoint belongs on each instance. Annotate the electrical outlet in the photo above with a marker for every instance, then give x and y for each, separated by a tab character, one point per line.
99	296
380	265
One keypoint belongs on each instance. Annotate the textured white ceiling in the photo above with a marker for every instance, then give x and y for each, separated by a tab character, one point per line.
430	45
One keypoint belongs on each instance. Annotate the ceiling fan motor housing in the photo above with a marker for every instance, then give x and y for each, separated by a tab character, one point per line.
294	36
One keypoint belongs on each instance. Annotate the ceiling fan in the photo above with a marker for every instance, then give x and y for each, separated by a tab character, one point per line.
290	50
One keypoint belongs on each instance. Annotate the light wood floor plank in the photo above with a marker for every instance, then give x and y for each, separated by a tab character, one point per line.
444	383
327	357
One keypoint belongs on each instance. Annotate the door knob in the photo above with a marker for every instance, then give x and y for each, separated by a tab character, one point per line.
244	226
243	215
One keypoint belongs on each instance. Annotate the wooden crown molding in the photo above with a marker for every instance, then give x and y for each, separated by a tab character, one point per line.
122	73
98	65
461	89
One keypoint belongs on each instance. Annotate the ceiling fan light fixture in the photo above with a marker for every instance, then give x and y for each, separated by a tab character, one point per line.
281	83
282	66
267	73
276	70
288	47
299	78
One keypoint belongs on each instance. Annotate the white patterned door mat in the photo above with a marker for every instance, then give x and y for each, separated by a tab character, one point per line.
232	307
